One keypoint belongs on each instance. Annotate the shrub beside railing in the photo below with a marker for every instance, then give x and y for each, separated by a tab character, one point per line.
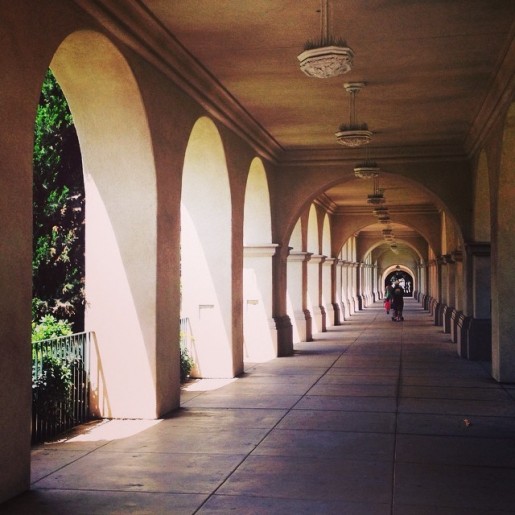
60	384
186	345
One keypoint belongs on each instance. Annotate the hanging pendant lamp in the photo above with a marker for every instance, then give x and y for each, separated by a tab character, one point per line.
353	134
328	56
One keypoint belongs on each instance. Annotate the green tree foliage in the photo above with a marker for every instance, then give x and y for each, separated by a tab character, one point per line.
58	209
49	327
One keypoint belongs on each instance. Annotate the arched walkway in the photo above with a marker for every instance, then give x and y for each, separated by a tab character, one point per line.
260	335
371	417
206	276
121	230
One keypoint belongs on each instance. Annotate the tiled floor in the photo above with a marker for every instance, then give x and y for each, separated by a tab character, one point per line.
373	417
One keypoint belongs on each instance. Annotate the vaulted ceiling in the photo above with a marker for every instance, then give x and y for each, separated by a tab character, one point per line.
427	64
431	70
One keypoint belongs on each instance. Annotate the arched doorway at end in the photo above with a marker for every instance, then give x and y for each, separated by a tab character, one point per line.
405	278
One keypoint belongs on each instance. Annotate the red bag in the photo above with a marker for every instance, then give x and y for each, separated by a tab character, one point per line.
387	304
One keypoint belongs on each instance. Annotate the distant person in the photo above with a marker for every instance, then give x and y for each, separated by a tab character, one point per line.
397	302
388	298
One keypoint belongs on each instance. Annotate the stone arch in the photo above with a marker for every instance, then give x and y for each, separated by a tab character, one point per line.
444	231
347	255
327	275
326	236
402	268
260	335
121	235
312	234
313	275
404	242
296	236
206	276
307	191
482	200
419	243
257	222
295	285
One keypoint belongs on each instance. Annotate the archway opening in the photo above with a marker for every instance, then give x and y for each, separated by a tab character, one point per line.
60	386
206	276
119	180
404	278
260	336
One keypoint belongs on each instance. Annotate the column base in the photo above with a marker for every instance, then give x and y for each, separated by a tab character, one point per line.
479	343
454	325
309	325
338	315
284	335
446	319
462	329
438	313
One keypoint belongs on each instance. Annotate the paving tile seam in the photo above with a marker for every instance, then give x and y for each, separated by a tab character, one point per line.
252	452
139	453
68	463
245	457
329	460
303	499
438	507
334	431
343	410
119	490
398	387
440	464
454	435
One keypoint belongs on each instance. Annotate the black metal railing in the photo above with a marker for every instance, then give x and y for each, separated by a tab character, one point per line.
60	384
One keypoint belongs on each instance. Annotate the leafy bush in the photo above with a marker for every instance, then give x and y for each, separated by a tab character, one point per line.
51	389
187	363
49	327
51	386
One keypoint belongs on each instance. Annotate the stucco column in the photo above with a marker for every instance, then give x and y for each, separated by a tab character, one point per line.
444	272
375	281
339	313
355	269
16	148
296	295
349	287
282	320
479	340
260	332
457	257
359	285
424	279
314	303
438	302
448	287
328	291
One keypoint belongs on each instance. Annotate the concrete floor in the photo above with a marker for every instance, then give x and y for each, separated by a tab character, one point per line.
374	417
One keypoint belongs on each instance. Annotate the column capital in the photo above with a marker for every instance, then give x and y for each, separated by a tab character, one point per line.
316	259
478	248
298	255
264	250
457	256
447	259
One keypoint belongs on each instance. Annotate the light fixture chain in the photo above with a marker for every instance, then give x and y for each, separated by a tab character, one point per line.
352	107
324	29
